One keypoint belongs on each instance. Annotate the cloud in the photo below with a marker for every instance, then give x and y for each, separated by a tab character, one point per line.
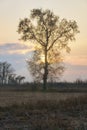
17	53
15	48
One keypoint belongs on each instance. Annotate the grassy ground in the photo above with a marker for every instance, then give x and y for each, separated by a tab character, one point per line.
42	111
17	97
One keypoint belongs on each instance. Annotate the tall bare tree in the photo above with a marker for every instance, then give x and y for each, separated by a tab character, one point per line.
47	30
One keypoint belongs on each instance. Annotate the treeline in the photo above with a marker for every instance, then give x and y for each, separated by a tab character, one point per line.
76	86
7	75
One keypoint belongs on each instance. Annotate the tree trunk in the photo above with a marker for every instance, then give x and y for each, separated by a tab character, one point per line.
45	71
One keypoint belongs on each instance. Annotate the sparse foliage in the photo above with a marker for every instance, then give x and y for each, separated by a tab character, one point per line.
49	32
36	66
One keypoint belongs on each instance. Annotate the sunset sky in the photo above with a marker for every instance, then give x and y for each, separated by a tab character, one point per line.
16	52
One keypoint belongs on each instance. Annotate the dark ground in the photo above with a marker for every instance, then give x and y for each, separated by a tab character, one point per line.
42	110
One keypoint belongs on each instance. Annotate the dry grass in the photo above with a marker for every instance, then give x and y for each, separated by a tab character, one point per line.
24	110
17	97
69	114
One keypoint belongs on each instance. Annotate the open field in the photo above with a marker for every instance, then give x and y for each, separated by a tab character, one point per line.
26	110
17	97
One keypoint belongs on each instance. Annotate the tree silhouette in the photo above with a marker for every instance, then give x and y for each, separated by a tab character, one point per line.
5	70
19	79
47	31
11	79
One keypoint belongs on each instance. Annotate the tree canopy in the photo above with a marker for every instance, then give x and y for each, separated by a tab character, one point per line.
48	32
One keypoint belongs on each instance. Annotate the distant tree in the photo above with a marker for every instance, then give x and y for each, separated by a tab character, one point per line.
79	81
47	31
19	79
11	79
5	70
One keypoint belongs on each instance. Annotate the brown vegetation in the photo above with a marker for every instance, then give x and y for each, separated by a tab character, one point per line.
8	97
43	111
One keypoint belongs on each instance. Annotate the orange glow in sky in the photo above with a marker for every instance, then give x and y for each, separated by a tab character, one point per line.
12	10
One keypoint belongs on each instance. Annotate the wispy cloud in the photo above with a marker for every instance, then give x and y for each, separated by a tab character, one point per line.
15	48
